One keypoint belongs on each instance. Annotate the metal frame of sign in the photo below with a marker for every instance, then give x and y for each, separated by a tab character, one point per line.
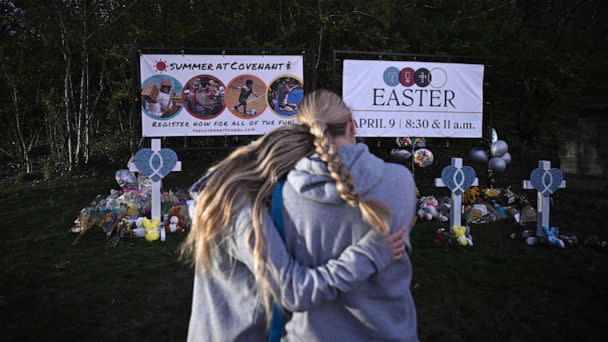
135	104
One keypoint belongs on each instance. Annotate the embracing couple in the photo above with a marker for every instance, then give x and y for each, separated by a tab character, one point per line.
301	236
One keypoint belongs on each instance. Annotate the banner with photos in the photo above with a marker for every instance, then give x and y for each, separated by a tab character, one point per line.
205	95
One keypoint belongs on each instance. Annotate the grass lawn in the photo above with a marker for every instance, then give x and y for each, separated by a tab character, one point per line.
499	289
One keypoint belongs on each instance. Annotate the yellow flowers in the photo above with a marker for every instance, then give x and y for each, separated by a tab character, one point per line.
471	195
491	193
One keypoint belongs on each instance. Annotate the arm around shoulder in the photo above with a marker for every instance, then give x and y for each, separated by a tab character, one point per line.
297	287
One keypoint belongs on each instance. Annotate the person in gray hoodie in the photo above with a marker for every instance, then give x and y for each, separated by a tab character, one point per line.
241	261
322	216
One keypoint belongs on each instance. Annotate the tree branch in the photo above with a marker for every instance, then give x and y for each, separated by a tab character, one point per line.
111	21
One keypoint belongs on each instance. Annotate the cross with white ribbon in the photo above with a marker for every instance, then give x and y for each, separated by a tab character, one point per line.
547	182
458	179
543	194
156	169
456	200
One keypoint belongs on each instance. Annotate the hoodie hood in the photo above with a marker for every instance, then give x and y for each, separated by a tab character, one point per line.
311	179
199	185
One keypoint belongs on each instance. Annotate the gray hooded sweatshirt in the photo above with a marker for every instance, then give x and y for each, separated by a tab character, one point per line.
226	305
319	225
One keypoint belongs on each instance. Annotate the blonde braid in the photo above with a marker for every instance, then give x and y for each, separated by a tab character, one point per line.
374	212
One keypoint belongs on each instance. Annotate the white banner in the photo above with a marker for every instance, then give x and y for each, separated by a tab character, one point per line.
394	98
202	95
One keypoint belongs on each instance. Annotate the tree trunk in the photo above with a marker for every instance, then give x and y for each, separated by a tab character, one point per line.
84	84
14	96
67	83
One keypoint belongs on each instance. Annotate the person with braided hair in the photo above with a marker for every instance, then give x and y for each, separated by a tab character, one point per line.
241	264
331	199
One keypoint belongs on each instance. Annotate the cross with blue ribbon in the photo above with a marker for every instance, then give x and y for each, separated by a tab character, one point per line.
156	177
545	181
458	179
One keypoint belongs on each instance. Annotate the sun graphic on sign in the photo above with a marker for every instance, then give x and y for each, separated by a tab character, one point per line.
160	65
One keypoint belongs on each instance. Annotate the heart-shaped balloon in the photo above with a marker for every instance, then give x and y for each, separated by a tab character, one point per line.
458	180
155	165
546	181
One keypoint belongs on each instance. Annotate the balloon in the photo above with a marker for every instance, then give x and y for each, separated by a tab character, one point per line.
499	148
404	142
506	157
419	142
494	136
478	155
423	157
498	164
144	184
126	179
400	153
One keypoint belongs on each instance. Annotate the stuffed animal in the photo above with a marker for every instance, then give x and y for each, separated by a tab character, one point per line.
459	233
551	235
467	234
428	209
139	230
179	224
173	224
445	206
570	240
152	233
439	236
594	241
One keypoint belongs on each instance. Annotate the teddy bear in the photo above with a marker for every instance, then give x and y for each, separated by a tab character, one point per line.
428	209
175	224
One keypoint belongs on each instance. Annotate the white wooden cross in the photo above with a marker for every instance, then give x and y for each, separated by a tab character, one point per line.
543	199
456	199
156	186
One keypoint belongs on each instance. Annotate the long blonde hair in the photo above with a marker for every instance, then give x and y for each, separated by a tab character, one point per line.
327	116
253	171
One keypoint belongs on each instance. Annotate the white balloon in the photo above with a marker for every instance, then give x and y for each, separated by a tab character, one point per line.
478	155
507	158
498	164
499	148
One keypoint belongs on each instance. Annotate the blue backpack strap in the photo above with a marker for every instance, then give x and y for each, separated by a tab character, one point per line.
278	316
277	208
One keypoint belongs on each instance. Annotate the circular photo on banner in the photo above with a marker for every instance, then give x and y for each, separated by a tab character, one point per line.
203	96
159	97
284	95
439	78
245	96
